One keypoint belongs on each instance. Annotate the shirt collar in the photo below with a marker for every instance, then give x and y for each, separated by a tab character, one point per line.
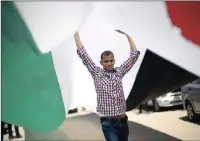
114	70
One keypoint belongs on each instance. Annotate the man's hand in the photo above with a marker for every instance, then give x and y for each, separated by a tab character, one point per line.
119	31
131	42
77	40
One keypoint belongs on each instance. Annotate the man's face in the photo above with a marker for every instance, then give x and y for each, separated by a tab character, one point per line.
108	62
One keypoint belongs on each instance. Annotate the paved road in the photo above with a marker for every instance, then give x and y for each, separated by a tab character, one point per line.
137	131
169	125
171	122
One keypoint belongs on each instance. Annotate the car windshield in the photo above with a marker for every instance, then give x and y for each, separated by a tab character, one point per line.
196	81
177	90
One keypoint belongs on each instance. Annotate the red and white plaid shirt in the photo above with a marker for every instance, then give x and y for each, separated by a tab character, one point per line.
108	85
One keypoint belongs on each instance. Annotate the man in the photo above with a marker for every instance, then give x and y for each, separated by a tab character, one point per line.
143	105
111	103
10	133
3	130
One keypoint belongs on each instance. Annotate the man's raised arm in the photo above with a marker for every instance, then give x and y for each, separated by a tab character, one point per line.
87	61
77	40
134	54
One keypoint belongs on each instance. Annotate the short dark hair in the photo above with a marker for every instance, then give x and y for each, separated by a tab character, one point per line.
106	53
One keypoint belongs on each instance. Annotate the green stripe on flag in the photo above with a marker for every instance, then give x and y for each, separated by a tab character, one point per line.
31	96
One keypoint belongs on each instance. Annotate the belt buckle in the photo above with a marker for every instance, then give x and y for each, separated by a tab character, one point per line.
115	120
119	120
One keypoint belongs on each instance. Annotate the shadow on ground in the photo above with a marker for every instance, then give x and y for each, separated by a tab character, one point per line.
185	118
150	109
137	131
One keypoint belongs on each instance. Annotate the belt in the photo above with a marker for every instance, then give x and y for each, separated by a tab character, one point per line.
115	119
118	116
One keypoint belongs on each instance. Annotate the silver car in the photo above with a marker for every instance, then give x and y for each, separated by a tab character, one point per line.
191	99
170	99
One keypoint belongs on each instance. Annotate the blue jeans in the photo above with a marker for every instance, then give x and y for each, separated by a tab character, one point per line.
115	131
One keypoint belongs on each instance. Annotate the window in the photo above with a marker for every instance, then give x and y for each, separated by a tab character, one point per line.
196	81
177	90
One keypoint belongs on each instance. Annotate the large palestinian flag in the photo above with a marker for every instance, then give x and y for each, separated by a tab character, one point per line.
42	76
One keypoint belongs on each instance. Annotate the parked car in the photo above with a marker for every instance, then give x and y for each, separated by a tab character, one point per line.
170	99
191	99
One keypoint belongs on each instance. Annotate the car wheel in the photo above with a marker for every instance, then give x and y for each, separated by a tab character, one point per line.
156	106
190	112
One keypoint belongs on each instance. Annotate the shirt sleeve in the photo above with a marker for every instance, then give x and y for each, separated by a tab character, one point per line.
128	64
87	61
